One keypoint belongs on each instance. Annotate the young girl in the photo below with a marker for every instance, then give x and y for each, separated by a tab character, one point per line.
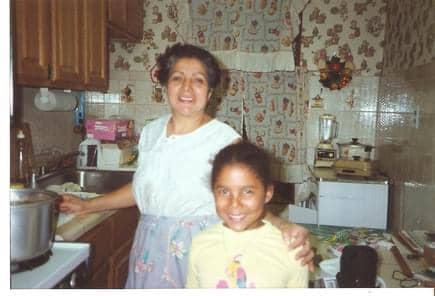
244	250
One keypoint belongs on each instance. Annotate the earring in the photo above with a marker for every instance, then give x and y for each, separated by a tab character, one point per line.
157	95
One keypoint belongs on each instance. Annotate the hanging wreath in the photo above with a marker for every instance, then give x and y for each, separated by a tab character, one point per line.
335	74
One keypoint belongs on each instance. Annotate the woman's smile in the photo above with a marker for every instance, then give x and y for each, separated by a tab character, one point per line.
188	89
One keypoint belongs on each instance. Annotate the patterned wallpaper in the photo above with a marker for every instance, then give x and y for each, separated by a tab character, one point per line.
340	26
414	43
160	23
255	36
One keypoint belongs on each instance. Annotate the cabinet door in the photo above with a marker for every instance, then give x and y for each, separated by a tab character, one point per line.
125	19
117	14
101	241
31	39
99	279
67	44
119	265
135	19
95	45
124	225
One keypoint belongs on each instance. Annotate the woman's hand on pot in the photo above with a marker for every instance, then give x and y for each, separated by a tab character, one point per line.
72	204
298	236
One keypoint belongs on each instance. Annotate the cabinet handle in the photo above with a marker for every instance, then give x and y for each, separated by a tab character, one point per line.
49	72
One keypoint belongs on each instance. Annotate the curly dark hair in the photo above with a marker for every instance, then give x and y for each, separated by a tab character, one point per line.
172	54
244	153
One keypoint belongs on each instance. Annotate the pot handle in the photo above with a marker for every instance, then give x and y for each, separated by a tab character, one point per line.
368	148
57	202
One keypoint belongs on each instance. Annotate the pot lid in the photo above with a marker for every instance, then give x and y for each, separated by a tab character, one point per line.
354	143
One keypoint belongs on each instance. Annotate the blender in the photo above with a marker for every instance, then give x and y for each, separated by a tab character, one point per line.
325	152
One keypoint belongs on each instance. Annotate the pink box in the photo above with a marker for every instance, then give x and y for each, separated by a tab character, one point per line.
107	129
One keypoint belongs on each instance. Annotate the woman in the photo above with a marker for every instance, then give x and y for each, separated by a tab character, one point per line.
171	184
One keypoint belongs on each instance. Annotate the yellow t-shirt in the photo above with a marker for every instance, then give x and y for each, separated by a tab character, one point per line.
222	258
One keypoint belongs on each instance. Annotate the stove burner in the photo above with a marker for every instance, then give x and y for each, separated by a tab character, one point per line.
31	263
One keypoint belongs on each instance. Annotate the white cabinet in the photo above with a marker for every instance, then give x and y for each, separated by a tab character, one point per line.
353	204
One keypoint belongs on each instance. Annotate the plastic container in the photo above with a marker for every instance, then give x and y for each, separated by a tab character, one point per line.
22	175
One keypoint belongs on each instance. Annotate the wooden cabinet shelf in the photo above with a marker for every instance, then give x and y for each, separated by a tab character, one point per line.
64	43
60	44
111	242
125	19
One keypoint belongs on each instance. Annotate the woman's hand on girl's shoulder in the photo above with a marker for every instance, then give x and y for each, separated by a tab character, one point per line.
297	236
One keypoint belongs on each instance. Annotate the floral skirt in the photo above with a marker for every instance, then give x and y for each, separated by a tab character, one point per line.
159	255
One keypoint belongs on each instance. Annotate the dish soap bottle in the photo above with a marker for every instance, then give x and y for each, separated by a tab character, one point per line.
22	163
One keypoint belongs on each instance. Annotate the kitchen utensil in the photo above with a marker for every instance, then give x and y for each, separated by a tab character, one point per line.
325	152
409	242
354	150
33	215
328	128
402	262
25	127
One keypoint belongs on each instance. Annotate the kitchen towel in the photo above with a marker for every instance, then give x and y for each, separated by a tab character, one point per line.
46	100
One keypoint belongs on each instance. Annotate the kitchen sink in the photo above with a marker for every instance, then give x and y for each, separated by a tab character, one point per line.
89	180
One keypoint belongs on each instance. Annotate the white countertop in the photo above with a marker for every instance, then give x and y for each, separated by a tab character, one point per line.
64	259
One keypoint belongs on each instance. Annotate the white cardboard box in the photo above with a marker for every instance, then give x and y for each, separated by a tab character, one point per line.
302	215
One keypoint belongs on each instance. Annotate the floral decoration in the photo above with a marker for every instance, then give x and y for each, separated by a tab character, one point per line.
335	73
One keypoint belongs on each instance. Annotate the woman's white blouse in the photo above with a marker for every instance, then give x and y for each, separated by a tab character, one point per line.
173	174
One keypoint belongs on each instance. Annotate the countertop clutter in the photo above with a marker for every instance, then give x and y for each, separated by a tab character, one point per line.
109	233
329	241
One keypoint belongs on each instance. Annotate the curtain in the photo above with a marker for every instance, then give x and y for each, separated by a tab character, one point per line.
247	35
265	95
272	108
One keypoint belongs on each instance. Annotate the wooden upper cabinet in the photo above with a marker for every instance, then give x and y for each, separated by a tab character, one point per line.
125	19
67	44
96	55
31	41
61	43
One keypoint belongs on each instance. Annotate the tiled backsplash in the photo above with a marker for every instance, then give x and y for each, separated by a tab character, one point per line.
406	144
353	106
141	107
52	132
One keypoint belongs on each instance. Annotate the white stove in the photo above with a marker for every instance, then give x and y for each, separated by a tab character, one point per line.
66	257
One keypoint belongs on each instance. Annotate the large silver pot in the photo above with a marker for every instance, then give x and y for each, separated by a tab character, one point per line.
33	216
354	150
